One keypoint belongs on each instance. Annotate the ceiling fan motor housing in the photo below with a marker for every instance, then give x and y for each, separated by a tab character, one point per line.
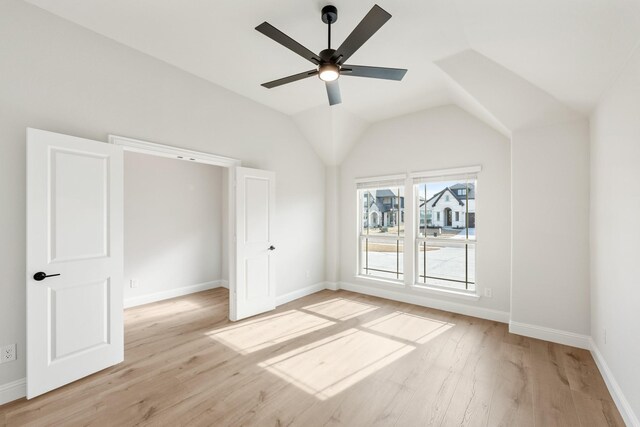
326	55
329	14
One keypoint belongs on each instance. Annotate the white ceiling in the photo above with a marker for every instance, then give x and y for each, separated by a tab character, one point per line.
572	49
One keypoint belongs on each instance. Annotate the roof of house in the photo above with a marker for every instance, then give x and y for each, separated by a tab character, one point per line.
471	193
470	187
385	193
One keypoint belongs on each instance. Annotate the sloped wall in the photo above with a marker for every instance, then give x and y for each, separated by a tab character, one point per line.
550	197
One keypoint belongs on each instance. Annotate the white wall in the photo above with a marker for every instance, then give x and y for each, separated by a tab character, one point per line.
60	77
550	197
172	224
615	235
332	224
438	138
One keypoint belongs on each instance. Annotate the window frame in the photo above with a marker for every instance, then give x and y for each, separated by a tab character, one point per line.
369	185
409	278
424	240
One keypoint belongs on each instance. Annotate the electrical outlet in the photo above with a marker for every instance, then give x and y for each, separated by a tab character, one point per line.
605	335
307	274
8	353
133	283
488	292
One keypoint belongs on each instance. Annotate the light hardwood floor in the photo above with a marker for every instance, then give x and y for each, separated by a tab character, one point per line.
332	358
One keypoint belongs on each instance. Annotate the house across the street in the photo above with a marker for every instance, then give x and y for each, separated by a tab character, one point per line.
450	207
381	207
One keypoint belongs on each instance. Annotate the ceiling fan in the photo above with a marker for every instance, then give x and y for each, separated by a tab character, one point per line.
330	63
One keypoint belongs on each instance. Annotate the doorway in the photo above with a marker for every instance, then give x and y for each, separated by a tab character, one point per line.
226	193
250	197
447	217
174	222
75	233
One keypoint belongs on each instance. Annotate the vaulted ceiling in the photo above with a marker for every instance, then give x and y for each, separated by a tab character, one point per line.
571	49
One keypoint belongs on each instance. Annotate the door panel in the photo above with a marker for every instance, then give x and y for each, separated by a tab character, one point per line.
74	230
257	205
79	211
254	289
88	301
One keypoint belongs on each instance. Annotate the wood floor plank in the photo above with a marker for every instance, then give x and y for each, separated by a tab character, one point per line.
512	400
552	398
583	374
472	396
594	412
329	359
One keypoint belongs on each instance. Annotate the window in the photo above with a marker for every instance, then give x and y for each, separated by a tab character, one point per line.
445	250
381	237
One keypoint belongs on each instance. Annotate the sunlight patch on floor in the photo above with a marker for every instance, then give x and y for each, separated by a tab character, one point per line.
340	308
256	334
409	327
329	366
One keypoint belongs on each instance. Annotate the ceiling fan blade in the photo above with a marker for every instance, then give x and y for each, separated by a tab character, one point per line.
371	23
373	72
286	41
290	79
333	92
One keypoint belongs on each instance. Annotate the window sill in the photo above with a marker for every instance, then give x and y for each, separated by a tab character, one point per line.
380	281
436	290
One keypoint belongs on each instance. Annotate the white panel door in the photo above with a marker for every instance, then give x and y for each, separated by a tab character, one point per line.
254	288
74	235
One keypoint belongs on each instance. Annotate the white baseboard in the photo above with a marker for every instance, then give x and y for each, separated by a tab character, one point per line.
333	286
13	390
548	334
454	307
299	293
172	293
630	418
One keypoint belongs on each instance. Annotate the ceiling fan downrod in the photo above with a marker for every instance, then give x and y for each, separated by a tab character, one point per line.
329	16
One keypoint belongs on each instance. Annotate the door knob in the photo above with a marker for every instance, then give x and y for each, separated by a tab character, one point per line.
41	275
272	248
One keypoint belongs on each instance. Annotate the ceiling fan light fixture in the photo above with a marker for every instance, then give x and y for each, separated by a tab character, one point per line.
328	72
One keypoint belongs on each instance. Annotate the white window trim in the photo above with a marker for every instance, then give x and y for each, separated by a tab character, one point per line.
396	284
443	290
446	173
377	181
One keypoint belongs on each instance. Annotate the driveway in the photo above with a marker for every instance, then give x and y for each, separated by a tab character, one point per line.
444	262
